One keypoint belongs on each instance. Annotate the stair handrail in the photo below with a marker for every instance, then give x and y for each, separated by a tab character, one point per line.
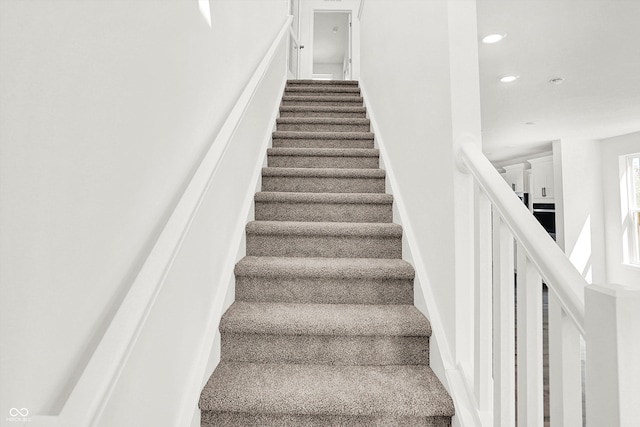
560	276
96	383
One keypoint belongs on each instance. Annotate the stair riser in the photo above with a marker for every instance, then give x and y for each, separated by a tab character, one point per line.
347	102
283	245
335	114
367	162
323	127
322	185
321	92
229	419
314	290
323	212
325	349
322	88
321	83
321	143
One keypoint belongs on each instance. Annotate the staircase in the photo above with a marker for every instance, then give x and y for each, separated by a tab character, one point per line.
323	331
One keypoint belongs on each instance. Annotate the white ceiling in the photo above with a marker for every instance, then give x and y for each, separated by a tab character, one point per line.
330	47
593	44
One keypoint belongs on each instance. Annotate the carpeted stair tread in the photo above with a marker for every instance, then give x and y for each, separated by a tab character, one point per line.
324	319
323	207
346	98
321	109
283	134
323	172
330	198
308	82
344	139
324	229
306	177
347	89
397	390
347	268
323	120
323	124
324	239
323	152
324	280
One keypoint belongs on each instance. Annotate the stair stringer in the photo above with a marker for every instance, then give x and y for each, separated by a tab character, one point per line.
441	358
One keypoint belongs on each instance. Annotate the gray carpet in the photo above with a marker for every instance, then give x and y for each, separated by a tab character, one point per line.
323	331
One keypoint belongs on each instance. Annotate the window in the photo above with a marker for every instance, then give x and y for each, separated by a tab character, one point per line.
633	185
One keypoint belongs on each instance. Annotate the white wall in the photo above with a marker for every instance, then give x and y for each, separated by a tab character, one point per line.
612	148
419	69
106	109
408	90
335	70
579	205
162	381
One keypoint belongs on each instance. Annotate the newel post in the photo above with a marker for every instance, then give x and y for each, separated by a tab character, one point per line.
612	329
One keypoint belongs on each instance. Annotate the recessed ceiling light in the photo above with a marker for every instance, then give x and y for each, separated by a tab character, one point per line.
509	79
493	38
557	81
530	123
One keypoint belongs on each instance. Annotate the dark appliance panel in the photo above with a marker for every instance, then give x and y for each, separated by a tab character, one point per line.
545	213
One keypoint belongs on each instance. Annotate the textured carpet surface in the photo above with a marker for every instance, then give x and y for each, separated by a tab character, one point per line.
324	319
330	198
324	152
225	419
324	172
323	331
324	290
318	111
323	89
323	120
322	139
352	268
327	100
323	135
324	229
302	82
411	390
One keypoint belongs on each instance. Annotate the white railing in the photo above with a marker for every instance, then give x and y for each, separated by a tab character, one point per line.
607	317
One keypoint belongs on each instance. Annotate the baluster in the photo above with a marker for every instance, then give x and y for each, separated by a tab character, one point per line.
503	325
483	382
529	339
565	377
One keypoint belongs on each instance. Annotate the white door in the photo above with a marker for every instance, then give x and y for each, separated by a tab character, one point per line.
320	23
294	41
331	46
